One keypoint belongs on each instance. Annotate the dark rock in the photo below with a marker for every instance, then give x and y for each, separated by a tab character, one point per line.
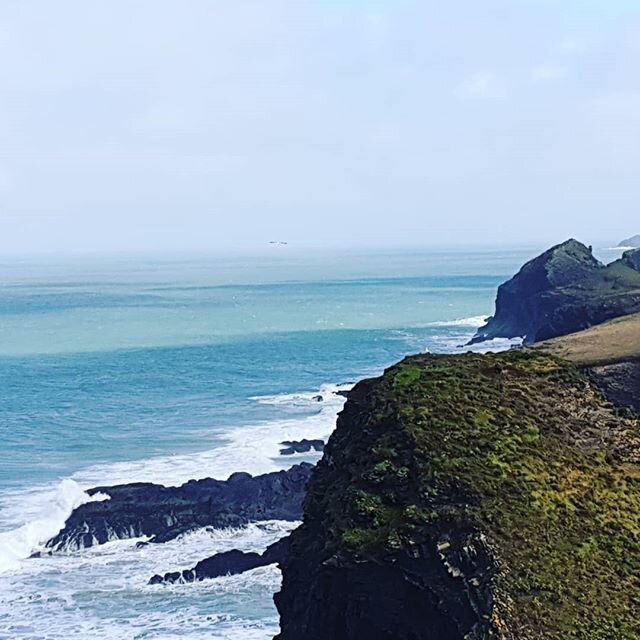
619	382
227	563
318	399
301	446
463	498
403	597
562	291
343	393
163	513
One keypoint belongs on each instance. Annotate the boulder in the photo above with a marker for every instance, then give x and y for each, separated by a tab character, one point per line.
227	563
301	446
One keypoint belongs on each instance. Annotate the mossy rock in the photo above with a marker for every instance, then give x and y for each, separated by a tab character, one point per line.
518	450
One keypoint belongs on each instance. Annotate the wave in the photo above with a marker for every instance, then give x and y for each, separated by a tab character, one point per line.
53	507
473	321
48	597
457	343
251	448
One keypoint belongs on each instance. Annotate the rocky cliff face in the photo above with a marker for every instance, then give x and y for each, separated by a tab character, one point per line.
562	291
467	498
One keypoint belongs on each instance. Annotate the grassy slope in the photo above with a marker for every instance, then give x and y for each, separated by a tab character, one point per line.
614	341
517	446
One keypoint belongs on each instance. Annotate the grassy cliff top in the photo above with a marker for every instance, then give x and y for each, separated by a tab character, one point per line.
614	341
517	447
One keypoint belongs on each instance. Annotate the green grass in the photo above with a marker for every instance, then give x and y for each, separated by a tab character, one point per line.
503	445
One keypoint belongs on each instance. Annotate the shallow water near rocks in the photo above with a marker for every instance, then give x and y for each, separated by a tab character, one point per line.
128	369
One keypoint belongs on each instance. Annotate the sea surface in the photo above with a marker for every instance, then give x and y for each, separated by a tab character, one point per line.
163	369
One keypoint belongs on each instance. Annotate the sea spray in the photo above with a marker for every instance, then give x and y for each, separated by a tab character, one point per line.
253	448
20	543
137	396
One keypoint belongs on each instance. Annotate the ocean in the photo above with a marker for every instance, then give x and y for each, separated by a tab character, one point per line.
163	369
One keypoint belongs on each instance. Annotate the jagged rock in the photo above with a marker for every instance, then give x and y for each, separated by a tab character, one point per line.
318	399
562	291
470	497
163	513
301	446
227	563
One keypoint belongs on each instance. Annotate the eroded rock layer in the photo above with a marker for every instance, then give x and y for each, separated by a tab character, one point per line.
467	498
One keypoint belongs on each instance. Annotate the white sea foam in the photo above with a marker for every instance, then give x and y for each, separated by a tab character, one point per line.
473	321
252	448
47	512
327	393
457	343
103	592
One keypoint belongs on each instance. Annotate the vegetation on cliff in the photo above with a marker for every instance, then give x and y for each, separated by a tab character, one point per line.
562	291
611	342
497	495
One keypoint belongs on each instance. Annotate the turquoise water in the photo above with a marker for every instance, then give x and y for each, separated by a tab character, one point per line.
164	369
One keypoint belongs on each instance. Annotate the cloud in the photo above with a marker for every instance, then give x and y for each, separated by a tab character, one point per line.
483	84
549	72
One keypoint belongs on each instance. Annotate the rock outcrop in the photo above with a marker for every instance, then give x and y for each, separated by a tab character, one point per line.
633	241
301	446
632	259
562	291
471	497
227	563
164	513
619	382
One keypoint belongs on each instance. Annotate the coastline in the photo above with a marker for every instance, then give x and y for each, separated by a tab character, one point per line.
261	374
25	515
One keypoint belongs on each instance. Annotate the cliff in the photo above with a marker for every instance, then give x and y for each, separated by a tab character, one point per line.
471	497
633	241
609	354
562	291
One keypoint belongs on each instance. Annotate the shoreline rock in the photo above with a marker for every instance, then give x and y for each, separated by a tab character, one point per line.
163	513
301	446
227	563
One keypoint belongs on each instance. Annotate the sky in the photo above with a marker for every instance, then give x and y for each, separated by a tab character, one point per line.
159	125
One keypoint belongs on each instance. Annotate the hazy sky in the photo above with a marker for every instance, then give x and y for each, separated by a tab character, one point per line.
167	124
